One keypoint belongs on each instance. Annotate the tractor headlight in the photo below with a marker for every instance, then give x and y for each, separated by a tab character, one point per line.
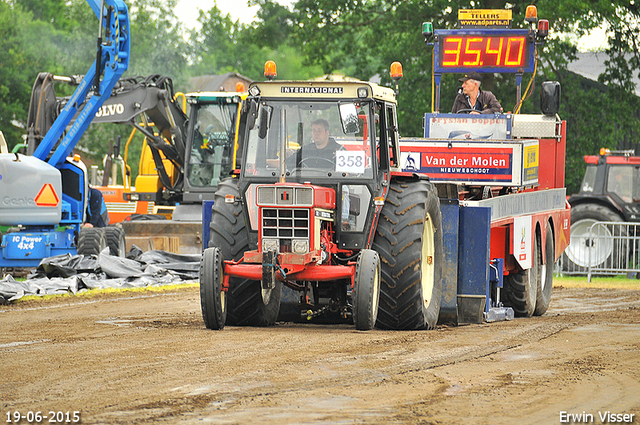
300	246
269	245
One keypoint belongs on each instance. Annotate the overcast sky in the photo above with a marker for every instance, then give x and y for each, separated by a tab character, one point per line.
187	10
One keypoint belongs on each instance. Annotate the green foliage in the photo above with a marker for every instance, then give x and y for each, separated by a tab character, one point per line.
26	45
223	45
274	26
219	47
600	117
158	46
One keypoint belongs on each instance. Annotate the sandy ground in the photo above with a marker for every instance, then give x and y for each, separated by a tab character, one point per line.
146	359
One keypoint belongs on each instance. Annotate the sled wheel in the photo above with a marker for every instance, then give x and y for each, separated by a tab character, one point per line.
545	278
520	287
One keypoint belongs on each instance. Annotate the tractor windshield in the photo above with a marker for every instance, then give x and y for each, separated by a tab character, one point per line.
315	139
211	156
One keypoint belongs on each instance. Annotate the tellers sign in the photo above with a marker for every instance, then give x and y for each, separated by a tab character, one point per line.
488	51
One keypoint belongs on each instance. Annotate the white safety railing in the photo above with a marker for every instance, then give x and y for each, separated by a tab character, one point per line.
605	248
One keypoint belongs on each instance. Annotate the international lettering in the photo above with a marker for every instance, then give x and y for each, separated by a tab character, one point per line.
311	90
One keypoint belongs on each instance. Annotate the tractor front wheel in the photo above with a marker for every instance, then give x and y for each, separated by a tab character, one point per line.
228	232
213	300
366	290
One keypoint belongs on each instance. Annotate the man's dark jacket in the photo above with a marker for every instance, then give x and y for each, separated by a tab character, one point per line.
486	101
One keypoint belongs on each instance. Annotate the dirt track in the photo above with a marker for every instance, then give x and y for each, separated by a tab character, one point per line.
149	359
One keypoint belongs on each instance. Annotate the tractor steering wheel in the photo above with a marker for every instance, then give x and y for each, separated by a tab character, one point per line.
310	158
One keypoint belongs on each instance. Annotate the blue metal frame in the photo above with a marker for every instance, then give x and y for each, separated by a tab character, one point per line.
207	212
474	245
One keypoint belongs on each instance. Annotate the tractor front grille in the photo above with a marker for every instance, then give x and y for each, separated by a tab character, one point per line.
285	196
286	229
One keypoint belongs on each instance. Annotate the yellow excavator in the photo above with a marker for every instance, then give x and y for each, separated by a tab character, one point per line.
183	156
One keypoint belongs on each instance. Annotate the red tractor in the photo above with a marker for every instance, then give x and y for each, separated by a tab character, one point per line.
332	218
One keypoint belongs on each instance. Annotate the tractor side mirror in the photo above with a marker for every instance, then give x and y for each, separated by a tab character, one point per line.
252	113
550	97
349	118
264	117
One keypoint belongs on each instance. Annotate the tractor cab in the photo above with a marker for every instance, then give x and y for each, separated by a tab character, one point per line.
325	133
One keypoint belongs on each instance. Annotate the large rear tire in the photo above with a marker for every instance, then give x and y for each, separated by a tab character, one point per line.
366	290
213	299
91	241
115	241
520	288
229	233
584	250
409	241
545	278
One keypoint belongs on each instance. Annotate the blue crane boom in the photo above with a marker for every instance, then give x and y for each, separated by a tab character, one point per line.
112	60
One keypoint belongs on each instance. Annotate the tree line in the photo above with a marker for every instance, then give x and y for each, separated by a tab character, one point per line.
358	38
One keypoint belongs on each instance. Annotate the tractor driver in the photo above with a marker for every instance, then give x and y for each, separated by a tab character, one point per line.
472	100
322	152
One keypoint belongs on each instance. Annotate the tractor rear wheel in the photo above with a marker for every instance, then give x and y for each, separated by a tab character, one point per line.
213	299
520	288
115	241
409	241
366	290
545	278
91	241
245	305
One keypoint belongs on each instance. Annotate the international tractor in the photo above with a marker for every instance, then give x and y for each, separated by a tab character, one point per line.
459	226
350	232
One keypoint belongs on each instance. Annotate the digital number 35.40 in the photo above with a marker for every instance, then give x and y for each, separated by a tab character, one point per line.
483	51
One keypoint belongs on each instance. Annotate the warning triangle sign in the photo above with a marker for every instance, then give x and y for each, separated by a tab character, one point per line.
47	197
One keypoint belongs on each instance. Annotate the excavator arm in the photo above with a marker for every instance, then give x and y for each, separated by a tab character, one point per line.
146	103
